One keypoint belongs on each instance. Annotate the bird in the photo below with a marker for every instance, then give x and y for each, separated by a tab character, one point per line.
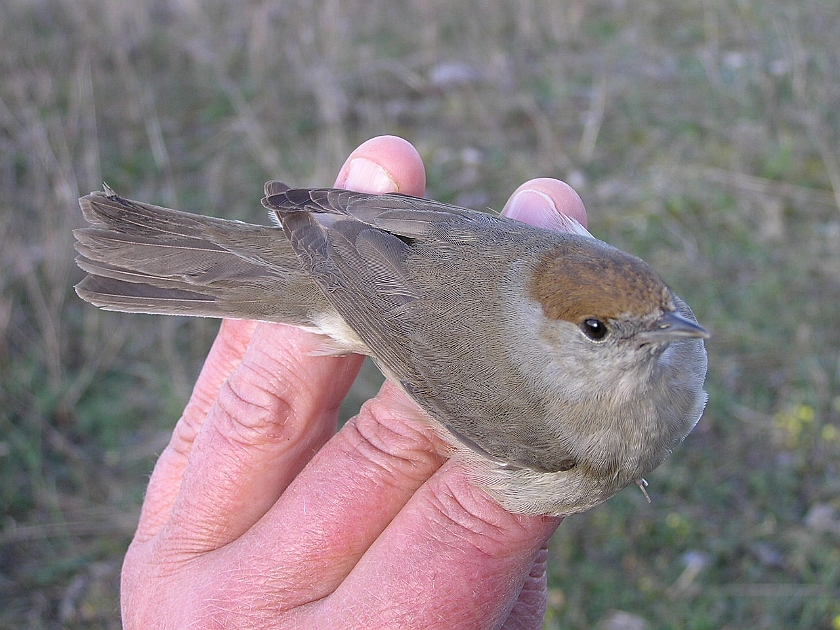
558	369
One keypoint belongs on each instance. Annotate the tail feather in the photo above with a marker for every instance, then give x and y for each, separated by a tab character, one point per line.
187	259
148	259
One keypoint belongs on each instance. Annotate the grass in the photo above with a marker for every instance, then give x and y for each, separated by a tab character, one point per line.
704	137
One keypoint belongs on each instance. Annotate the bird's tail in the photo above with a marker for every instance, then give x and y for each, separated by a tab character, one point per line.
142	258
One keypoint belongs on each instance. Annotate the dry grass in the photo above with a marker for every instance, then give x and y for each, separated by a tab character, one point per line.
702	136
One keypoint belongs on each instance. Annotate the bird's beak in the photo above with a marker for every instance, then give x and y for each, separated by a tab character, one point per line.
673	327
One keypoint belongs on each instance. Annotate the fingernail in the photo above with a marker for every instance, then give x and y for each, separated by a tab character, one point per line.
539	209
368	176
532	207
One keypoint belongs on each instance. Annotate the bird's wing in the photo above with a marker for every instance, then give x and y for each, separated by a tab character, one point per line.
403	273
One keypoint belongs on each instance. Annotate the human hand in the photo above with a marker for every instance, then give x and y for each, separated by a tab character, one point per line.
259	515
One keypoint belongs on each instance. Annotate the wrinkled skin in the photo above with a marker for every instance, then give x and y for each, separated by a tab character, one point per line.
259	515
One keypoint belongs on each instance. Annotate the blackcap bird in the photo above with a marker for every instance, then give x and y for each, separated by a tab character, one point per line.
557	368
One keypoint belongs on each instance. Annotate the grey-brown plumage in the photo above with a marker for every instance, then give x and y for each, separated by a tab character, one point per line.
490	325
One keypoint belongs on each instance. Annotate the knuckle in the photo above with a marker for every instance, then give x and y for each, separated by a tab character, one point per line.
392	445
466	516
249	413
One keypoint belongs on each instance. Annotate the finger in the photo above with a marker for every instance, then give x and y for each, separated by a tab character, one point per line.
384	164
224	357
280	404
547	203
342	501
531	604
449	534
275	410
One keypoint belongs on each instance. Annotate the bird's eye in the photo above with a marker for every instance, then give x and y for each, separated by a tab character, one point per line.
595	329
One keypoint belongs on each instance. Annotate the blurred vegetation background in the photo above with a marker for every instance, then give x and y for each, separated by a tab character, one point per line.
702	136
